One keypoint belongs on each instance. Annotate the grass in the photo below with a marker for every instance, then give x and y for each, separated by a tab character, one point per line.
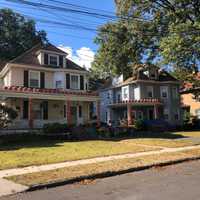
189	133
165	142
91	169
38	151
45	152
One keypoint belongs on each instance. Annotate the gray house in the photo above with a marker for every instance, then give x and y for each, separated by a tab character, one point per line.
150	94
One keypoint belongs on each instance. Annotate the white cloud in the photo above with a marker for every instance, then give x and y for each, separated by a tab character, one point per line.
83	56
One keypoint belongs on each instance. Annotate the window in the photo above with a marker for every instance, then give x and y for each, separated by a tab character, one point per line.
150	91
176	115
175	92
34	79
74	82
140	115
133	114
198	113
166	114
125	93
58	84
53	60
118	98
164	91
108	95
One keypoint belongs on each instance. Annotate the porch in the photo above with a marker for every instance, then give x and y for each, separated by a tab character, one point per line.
38	107
130	111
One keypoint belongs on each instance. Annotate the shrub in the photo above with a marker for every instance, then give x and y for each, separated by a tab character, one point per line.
104	132
55	128
139	125
7	115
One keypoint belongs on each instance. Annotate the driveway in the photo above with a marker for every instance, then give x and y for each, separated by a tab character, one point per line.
180	182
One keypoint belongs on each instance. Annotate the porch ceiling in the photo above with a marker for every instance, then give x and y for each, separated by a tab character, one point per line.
51	94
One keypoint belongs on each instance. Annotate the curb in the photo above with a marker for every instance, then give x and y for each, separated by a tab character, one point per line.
106	174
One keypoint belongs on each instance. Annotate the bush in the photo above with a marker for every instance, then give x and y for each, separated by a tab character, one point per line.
139	125
55	128
7	115
104	132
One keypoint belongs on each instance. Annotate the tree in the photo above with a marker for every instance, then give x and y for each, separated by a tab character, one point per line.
7	114
150	31
17	34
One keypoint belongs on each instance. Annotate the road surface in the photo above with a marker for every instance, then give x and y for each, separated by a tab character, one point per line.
177	182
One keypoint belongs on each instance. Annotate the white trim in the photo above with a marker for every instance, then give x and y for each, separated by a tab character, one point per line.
30	76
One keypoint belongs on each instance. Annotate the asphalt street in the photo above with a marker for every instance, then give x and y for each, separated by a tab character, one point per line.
177	182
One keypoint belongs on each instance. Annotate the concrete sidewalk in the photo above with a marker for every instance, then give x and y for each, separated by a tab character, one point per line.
40	168
7	187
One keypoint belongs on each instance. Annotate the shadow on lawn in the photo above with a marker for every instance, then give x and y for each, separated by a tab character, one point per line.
16	142
26	141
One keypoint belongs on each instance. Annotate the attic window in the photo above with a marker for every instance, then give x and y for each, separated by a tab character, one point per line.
53	60
146	73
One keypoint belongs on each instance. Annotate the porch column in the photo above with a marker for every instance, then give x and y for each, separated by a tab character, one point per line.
156	111
129	114
98	113
68	111
30	113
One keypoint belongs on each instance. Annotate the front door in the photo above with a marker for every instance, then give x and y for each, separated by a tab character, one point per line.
74	115
151	114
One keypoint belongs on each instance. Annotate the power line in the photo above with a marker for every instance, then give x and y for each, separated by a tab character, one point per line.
77	11
65	9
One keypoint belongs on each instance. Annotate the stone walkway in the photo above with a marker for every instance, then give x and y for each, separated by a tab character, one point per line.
19	171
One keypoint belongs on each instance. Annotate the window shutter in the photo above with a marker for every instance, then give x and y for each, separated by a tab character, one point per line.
46	59
42	80
25	110
45	110
61	61
67	81
81	82
26	78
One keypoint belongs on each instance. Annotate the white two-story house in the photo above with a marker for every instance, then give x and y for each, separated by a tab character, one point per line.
149	94
45	87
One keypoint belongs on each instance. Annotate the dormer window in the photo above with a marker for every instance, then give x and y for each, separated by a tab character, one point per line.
53	60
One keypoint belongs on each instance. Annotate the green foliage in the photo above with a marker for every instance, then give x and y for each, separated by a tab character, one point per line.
55	128
7	115
147	32
17	34
139	125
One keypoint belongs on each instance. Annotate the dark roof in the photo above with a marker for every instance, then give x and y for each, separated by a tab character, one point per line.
30	57
2	64
163	76
74	66
50	47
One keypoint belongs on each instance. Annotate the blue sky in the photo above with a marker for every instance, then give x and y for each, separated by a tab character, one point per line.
73	40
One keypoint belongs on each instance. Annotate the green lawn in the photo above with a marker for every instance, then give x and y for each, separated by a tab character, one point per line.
68	173
35	151
44	152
